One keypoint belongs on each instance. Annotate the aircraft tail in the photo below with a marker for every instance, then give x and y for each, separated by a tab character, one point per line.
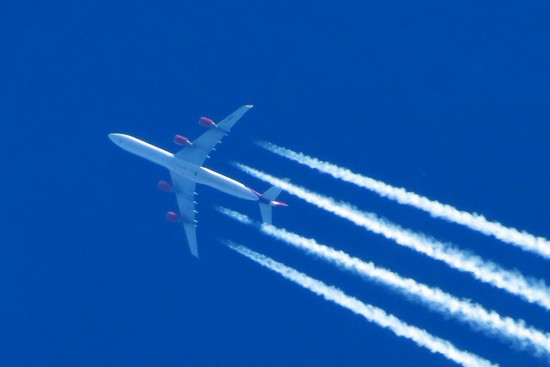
269	202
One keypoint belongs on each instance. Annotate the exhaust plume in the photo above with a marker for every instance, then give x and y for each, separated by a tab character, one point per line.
476	222
464	310
369	312
531	290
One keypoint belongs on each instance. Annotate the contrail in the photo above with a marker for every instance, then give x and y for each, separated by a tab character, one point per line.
436	299
477	222
531	290
369	312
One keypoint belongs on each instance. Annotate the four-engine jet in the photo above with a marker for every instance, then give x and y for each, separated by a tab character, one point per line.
186	171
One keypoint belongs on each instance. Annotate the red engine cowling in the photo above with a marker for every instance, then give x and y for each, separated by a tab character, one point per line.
165	186
206	122
182	140
173	217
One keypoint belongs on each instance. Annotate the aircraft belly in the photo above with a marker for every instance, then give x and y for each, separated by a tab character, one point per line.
224	184
185	169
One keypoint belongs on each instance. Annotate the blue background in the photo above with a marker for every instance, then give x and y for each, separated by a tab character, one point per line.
447	100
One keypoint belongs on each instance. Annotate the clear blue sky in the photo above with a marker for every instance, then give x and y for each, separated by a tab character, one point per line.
447	100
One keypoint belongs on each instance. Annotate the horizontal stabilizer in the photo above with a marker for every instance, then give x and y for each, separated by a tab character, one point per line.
265	211
266	208
273	191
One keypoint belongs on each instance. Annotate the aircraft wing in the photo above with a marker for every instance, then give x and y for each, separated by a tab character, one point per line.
185	194
203	145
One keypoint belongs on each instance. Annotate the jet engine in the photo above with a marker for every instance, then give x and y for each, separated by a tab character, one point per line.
165	186
207	123
173	217
182	140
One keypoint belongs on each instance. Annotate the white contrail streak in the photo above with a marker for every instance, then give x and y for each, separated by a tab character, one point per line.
449	305
369	312
523	240
531	290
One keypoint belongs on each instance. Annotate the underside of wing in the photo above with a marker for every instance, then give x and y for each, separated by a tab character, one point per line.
191	234
185	194
199	150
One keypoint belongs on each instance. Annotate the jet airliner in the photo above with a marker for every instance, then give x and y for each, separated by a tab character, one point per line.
186	171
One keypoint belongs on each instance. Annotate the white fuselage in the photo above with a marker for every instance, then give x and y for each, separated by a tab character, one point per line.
185	169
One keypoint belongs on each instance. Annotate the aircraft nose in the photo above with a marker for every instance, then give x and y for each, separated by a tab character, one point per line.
115	138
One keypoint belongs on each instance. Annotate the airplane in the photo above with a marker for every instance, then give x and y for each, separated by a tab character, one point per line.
186	171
